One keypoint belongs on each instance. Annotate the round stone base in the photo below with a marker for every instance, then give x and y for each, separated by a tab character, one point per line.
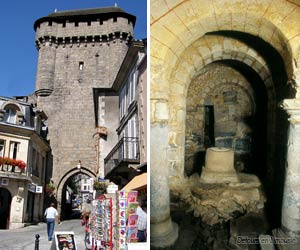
163	235
208	176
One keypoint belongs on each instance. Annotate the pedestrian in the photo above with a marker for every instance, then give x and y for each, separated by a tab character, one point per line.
141	222
51	214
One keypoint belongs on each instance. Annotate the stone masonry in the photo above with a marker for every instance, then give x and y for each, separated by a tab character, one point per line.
240	58
79	51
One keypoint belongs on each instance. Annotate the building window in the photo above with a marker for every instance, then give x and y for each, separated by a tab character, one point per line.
81	64
123	98
2	147
35	162
132	133
132	86
14	149
10	114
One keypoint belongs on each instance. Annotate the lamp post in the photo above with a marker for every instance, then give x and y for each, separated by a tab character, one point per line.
79	169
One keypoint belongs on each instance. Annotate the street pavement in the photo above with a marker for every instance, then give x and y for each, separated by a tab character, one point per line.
24	238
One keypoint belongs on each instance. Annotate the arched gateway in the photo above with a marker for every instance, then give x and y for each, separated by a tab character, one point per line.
61	188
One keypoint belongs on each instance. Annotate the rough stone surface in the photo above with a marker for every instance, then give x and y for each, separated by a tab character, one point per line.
216	203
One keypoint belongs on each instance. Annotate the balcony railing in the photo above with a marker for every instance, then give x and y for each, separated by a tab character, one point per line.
12	166
125	151
11	170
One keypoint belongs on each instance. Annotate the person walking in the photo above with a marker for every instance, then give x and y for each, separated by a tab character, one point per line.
50	214
141	222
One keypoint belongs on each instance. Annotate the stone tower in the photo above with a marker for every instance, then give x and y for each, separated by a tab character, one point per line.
78	51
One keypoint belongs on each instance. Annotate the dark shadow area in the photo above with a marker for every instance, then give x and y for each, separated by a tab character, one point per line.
71	198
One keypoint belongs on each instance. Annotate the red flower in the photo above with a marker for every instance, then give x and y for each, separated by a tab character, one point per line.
13	162
21	164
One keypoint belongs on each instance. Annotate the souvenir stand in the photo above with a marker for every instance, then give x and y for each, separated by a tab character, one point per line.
136	187
101	224
126	206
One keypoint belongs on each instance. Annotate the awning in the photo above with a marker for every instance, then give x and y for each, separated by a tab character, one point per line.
137	182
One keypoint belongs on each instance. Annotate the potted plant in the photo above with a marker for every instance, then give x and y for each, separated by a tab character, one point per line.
49	189
13	163
100	187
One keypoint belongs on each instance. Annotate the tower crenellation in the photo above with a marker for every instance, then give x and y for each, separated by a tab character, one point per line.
103	32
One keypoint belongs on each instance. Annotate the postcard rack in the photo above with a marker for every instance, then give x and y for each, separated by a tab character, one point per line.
101	224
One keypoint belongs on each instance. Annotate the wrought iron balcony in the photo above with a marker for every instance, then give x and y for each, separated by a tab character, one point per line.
125	151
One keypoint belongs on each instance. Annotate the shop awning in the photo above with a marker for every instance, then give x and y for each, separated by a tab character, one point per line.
137	182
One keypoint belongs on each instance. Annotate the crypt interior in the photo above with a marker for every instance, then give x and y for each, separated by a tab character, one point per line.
224	123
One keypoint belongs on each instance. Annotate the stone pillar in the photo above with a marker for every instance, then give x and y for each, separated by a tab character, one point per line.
290	218
163	231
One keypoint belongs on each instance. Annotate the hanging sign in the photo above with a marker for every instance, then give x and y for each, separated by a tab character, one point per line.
39	189
31	187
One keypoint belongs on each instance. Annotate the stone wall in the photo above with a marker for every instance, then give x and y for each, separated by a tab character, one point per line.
70	69
231	99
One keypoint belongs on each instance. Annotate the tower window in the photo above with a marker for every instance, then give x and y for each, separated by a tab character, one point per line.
76	24
89	23
64	24
81	64
114	19
101	22
50	23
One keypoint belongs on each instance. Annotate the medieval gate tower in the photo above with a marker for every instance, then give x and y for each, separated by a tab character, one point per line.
78	51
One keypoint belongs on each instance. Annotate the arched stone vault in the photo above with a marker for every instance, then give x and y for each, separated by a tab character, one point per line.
178	24
193	60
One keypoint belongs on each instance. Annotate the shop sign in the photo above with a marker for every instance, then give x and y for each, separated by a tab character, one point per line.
111	189
102	180
4	182
39	189
31	187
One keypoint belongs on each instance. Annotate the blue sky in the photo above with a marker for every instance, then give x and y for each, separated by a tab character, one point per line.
18	62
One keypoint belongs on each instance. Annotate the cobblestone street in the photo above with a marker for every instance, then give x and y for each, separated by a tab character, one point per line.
24	238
